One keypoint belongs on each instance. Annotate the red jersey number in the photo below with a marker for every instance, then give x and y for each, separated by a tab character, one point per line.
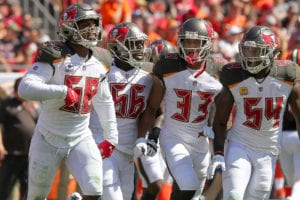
185	105
85	93
134	102
254	115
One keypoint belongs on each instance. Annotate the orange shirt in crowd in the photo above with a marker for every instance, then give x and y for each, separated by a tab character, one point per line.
109	8
258	4
229	21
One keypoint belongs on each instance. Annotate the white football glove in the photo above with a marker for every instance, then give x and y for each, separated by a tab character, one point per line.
208	132
75	196
140	147
216	162
151	148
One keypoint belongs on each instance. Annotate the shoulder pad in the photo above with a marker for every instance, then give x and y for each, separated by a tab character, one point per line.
103	55
214	64
286	70
217	58
166	66
147	66
53	50
233	73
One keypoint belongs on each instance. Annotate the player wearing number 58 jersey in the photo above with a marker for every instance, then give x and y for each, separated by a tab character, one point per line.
67	78
188	99
260	88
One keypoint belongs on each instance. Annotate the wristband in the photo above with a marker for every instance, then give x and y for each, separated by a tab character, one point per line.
219	153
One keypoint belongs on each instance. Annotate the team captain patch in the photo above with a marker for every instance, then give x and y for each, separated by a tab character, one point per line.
243	91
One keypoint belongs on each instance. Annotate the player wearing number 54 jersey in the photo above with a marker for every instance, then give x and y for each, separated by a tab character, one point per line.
68	77
260	88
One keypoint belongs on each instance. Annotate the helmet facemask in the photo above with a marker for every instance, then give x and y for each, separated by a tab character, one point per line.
69	30
255	57
81	35
192	55
133	50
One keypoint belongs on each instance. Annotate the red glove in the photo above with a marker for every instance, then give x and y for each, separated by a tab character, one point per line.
106	149
71	98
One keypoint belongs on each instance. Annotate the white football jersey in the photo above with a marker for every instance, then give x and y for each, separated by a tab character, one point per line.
259	104
189	100
130	91
49	85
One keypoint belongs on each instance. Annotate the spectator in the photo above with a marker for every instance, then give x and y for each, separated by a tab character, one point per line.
289	22
215	17
150	28
10	53
234	17
114	11
17	119
15	13
259	4
228	46
294	53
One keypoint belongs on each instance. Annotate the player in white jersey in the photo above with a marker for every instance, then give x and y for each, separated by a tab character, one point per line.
188	98
152	170
289	155
67	78
137	95
260	87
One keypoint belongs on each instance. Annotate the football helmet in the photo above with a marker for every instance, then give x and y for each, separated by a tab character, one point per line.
195	29
161	48
68	25
128	43
257	49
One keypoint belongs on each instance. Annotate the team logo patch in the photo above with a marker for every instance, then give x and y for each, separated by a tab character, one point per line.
118	34
35	68
69	68
243	90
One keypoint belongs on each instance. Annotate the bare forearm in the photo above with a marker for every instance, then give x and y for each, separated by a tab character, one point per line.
146	122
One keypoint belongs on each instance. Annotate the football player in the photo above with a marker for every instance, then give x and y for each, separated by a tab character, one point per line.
137	95
289	155
152	170
260	87
67	78
188	99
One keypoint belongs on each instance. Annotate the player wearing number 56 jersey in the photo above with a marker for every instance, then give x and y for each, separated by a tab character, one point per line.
137	95
188	99
260	88
67	78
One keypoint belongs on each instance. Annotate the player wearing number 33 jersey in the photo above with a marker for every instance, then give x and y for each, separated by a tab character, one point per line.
188	99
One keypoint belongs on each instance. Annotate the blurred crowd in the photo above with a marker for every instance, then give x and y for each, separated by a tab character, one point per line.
20	33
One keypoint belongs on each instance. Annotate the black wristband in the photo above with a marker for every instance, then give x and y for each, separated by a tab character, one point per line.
154	134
